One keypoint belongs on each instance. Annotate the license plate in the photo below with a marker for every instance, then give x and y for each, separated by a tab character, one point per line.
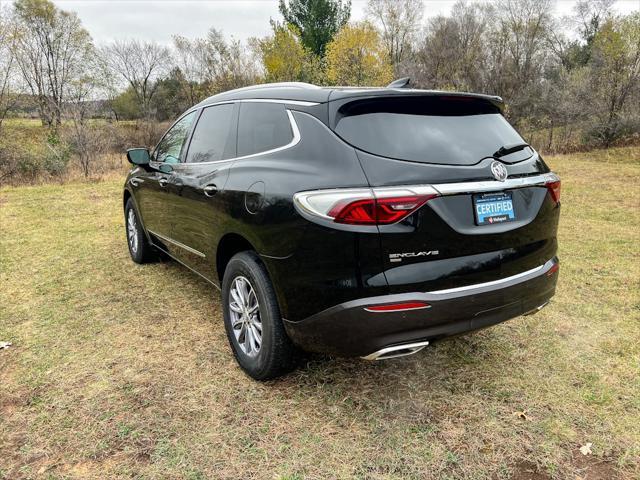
493	208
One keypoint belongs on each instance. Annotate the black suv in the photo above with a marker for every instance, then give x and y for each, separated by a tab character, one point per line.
349	221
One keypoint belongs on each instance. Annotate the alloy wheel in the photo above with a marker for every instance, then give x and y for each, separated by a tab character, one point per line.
245	316
132	231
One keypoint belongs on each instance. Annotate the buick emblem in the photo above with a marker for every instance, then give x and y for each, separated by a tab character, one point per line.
499	171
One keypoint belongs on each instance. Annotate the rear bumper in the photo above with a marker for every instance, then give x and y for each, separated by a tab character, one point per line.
348	329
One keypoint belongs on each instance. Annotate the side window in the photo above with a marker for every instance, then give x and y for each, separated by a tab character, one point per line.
169	148
262	127
214	136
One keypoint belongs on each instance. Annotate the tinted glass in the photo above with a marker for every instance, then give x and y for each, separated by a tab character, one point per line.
214	136
169	148
263	126
443	130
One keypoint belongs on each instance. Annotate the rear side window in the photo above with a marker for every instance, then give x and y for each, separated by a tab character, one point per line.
214	136
445	130
262	127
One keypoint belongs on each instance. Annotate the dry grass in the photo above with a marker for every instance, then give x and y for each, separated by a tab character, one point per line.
118	370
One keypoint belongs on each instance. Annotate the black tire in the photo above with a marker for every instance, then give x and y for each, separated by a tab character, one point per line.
276	355
141	251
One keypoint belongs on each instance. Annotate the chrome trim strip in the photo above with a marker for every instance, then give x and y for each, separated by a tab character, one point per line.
302	198
491	185
300	103
187	266
486	284
401	190
178	244
386	353
294	141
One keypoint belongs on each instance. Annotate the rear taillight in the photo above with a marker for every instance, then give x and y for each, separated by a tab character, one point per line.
377	211
553	269
554	190
366	206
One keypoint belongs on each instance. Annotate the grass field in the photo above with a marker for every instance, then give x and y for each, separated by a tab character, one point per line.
119	370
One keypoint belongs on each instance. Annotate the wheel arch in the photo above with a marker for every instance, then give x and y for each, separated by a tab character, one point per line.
126	195
232	243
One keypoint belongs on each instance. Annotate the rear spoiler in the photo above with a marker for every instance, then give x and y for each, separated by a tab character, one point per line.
341	102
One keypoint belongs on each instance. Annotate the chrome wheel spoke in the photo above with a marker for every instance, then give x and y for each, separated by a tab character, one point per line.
236	320
235	307
238	298
255	335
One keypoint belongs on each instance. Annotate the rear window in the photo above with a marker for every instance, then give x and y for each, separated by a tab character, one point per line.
432	129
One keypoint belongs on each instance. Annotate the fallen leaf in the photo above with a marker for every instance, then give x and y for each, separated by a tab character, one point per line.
521	415
4	345
586	449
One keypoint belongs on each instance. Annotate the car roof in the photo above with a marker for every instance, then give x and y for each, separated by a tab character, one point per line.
305	92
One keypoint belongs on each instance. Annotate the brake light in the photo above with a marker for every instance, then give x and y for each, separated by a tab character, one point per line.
364	206
554	190
398	307
553	269
377	211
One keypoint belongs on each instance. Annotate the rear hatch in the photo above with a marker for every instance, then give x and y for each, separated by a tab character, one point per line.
451	151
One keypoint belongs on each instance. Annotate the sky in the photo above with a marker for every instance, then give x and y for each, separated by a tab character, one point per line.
159	20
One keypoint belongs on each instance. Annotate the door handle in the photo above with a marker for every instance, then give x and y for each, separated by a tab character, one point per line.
163	181
210	190
135	181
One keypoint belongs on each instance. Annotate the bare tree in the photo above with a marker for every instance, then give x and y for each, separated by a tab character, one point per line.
85	140
227	64
399	21
139	64
51	48
452	52
7	63
188	58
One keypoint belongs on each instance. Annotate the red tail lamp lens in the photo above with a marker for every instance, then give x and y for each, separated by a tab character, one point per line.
554	269
398	307
381	211
554	190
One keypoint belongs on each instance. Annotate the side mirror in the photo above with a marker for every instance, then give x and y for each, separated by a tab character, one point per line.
138	156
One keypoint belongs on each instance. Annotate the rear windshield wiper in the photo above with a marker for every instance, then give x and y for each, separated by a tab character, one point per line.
507	149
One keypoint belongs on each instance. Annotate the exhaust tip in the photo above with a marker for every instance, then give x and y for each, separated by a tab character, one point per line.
535	310
396	351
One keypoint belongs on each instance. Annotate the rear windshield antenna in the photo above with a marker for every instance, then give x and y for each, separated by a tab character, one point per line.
400	83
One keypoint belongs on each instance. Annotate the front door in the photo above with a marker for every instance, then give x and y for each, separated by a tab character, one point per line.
157	194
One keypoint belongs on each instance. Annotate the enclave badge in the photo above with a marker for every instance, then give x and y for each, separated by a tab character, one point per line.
499	171
397	257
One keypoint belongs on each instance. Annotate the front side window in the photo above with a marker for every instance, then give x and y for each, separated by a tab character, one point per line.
214	136
263	127
170	147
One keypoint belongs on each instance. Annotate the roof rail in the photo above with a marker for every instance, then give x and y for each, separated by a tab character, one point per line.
274	85
400	83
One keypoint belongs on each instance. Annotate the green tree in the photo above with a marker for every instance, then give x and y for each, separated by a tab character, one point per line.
285	59
357	56
125	105
316	20
170	99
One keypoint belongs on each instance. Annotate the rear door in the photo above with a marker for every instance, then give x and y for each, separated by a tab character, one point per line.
479	226
199	182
